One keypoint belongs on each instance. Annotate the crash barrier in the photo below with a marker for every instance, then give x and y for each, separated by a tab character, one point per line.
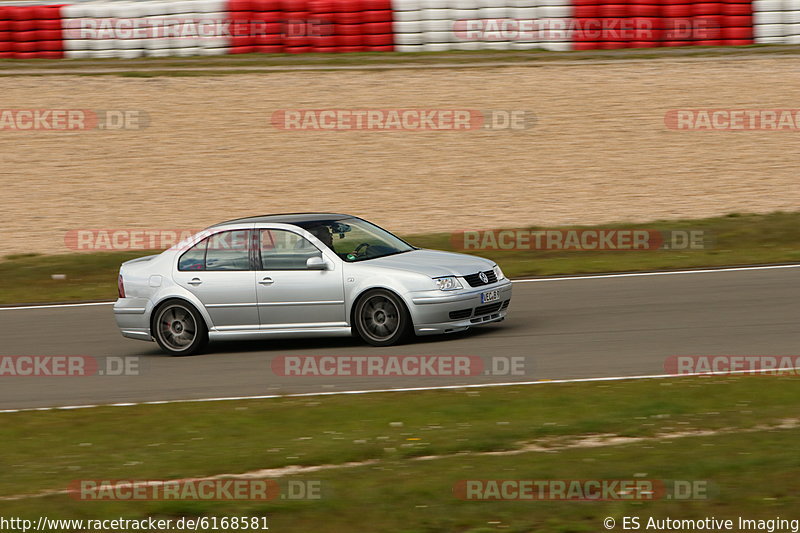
216	27
148	28
421	25
298	26
776	21
31	31
161	28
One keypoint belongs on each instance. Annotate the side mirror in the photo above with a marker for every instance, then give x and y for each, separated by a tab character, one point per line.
316	263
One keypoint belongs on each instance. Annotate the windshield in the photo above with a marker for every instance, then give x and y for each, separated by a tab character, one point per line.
354	239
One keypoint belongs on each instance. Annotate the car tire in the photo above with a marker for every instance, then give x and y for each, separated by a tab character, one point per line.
381	319
179	329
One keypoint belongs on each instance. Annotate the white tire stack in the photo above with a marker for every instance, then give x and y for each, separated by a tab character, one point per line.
75	37
791	21
555	18
495	15
131	31
465	19
437	26
159	17
211	18
183	15
524	13
407	25
768	26
99	17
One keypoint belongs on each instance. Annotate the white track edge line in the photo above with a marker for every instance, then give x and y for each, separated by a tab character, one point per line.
54	306
404	389
530	280
658	273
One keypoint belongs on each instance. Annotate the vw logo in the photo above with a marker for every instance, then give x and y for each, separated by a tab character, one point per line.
484	277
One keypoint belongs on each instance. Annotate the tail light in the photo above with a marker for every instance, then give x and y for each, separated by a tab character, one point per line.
120	287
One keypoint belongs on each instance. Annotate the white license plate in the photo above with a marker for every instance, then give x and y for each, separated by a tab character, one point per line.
490	296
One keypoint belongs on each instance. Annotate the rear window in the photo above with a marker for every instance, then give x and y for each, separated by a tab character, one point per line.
228	250
195	258
225	251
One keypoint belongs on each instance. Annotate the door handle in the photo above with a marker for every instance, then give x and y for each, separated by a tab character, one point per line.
266	281
195	281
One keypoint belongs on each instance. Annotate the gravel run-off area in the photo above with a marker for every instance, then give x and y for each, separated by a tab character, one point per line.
599	150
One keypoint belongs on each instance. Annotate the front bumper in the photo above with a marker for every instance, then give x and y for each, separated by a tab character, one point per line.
437	312
133	318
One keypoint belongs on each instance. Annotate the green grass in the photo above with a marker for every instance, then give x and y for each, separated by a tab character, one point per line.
750	474
90	276
736	239
244	63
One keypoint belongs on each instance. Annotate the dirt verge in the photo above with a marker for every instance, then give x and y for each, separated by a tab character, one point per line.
599	151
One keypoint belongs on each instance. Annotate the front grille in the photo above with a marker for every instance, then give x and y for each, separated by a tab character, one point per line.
488	308
474	280
485	319
505	304
461	313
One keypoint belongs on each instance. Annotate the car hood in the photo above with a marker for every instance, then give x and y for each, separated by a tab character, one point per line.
434	263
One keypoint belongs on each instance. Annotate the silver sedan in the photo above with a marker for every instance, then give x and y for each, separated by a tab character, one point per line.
301	275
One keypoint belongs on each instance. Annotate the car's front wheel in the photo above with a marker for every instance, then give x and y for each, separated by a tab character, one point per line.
381	319
179	328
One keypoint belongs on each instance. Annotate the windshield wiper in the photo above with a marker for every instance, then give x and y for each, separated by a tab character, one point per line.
384	255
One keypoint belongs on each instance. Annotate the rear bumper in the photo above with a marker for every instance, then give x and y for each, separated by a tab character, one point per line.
434	312
133	318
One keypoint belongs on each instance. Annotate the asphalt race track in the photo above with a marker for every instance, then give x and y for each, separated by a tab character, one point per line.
573	328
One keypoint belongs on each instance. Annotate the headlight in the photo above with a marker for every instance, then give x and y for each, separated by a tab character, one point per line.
448	283
498	272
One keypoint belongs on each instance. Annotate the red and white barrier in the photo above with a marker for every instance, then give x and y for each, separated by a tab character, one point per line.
30	32
161	28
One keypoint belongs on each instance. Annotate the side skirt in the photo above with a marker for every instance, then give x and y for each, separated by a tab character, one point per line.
283	333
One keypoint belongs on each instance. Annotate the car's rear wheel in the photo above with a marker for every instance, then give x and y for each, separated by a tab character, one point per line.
179	328
381	318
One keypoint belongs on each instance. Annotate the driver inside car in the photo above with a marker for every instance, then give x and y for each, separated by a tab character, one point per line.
323	233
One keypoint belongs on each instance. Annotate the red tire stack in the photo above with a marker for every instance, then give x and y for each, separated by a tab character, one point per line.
6	36
31	32
241	15
23	31
348	26
588	31
296	38
677	23
706	23
323	15
737	22
646	19
266	26
49	32
616	32
378	33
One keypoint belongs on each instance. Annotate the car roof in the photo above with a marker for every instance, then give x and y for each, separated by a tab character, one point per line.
287	218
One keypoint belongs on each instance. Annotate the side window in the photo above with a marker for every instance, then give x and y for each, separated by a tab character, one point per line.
194	258
228	250
285	250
